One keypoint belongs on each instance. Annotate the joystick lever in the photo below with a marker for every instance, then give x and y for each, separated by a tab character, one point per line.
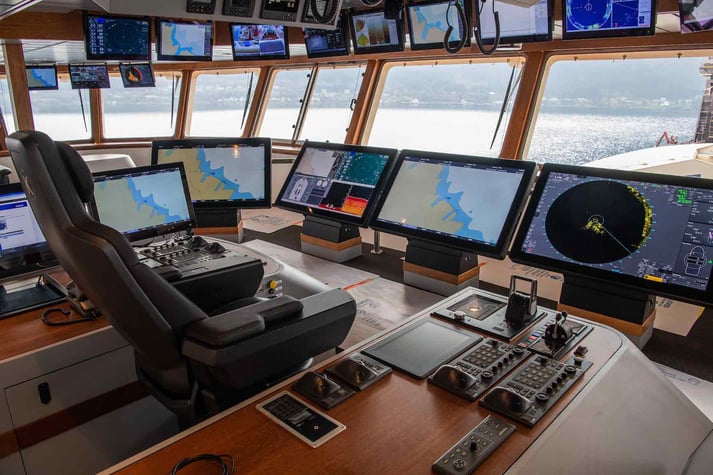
557	332
522	307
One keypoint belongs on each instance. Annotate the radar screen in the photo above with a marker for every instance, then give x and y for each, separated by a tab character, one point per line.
644	230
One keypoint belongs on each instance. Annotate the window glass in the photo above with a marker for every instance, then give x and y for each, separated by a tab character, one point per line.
60	114
141	111
6	106
284	103
596	108
219	103
330	106
452	107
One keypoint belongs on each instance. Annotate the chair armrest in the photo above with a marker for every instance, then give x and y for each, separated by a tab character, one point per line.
231	327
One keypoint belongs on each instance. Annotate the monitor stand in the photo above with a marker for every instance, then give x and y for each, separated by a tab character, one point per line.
219	221
330	240
22	300
632	312
438	268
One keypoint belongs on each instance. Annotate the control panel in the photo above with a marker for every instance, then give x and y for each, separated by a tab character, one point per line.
465	456
478	369
529	392
320	389
359	371
553	338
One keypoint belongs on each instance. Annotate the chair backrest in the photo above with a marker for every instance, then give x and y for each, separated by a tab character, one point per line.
142	307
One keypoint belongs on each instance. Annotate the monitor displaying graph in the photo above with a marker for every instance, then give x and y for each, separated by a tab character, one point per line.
41	78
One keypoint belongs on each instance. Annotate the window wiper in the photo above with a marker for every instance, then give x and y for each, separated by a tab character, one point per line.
173	96
247	100
81	104
506	99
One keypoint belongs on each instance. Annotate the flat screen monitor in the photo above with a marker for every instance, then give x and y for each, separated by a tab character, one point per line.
233	173
427	24
647	231
137	75
184	40
518	24
143	202
372	33
23	249
89	76
252	41
469	203
336	181
607	18
284	10
41	78
117	38
695	15
322	43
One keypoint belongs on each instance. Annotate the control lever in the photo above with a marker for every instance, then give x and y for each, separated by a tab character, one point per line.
507	401
454	379
522	307
557	332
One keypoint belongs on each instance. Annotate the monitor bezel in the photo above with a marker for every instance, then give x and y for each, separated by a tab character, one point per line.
156	231
45	259
499	250
115	57
425	46
80	65
531	38
167	57
130	85
253	57
339	26
618	33
674	291
376	49
43	88
157	145
334	216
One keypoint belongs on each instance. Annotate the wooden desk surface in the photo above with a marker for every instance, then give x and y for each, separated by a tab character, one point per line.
26	332
398	425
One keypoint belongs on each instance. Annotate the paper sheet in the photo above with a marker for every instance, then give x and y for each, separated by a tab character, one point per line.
699	391
269	220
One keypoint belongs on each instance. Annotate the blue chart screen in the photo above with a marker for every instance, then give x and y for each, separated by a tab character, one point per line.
587	15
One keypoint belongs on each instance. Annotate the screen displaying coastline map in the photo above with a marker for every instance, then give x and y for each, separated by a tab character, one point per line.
40	78
185	41
138	199
428	24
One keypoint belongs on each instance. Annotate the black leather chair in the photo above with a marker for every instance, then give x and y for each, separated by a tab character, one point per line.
194	364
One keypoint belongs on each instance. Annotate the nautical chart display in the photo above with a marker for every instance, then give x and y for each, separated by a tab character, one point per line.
648	230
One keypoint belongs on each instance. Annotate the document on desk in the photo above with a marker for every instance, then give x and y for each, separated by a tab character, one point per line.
269	220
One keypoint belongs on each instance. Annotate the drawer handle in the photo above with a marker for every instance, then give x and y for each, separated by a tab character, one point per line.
44	390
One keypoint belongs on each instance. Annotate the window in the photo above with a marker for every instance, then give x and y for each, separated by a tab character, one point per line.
284	103
445	106
6	106
221	101
330	106
141	111
592	108
60	114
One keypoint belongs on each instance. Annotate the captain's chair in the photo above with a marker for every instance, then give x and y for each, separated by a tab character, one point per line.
194	364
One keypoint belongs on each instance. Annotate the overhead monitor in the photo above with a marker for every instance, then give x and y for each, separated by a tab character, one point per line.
184	40
143	202
89	76
137	75
647	231
117	37
252	41
428	24
468	203
232	173
336	181
695	15
518	24
42	78
607	18
321	43
372	33
23	249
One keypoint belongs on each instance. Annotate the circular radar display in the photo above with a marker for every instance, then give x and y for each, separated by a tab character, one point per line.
588	14
599	222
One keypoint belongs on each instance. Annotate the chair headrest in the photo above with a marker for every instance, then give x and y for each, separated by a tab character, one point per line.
78	171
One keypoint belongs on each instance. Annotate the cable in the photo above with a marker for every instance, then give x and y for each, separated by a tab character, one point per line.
478	37
465	28
66	313
226	462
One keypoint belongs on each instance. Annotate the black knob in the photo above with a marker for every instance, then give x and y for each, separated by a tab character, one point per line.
500	364
494	343
542	397
473	446
570	370
543	361
518	351
511	356
494	369
486	375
